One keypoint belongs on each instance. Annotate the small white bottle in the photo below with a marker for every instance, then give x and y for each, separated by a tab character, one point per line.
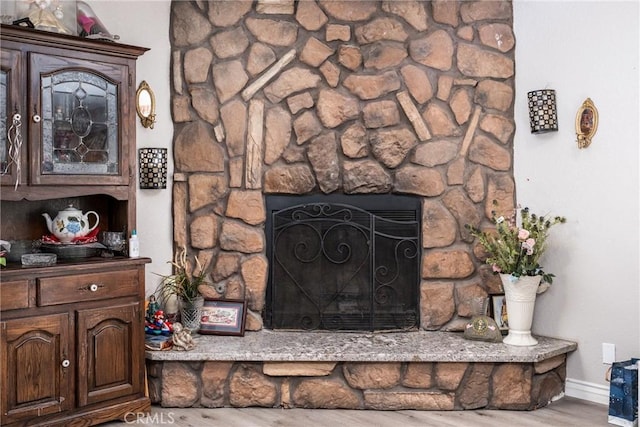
134	245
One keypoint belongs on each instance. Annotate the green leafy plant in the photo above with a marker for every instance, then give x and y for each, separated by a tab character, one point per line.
184	281
514	248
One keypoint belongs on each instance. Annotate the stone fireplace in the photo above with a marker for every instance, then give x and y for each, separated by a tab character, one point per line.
323	98
329	97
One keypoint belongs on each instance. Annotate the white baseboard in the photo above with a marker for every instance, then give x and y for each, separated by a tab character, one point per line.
587	391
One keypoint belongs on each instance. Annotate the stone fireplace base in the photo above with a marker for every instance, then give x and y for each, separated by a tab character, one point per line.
393	371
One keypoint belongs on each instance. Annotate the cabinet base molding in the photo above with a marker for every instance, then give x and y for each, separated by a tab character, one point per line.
127	411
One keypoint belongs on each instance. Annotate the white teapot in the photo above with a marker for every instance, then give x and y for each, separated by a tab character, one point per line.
70	223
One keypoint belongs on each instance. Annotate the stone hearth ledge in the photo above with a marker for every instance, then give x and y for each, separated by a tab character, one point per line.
418	346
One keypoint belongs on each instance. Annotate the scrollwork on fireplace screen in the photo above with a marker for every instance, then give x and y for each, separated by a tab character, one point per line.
336	266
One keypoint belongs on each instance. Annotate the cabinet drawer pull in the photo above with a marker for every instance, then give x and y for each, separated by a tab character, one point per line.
93	287
66	363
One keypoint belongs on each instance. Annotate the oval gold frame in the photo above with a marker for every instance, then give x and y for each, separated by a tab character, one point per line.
146	105
586	123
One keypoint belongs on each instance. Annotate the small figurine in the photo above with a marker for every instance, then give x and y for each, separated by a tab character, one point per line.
158	325
43	18
152	307
182	339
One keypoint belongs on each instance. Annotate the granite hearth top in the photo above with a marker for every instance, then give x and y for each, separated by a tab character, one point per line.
419	346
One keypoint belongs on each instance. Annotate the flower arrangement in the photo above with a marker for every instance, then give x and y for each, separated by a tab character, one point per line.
184	282
516	249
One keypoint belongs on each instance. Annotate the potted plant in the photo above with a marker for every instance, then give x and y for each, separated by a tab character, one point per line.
183	285
514	249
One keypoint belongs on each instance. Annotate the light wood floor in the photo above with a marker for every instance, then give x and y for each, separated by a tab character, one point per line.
563	413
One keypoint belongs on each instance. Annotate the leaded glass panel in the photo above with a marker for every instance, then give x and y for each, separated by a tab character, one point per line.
79	124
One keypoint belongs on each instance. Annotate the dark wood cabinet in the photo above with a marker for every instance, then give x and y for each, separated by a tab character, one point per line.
72	342
71	334
74	142
76	100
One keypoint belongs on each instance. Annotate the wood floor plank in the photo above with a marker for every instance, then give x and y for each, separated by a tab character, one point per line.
567	412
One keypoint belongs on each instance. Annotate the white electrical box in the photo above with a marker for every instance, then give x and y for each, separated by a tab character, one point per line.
608	353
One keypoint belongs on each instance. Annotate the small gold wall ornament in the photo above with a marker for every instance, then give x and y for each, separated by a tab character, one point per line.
586	123
146	105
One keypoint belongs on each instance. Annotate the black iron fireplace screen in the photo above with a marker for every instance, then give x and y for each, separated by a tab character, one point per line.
343	262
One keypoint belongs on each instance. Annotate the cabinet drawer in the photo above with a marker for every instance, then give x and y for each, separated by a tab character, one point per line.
14	294
86	287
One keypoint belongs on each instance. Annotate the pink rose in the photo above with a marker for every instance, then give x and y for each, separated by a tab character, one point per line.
523	234
528	245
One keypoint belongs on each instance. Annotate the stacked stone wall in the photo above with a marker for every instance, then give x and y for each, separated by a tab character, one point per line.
411	97
350	385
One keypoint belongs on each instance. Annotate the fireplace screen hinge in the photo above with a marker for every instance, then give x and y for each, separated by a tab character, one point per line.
343	262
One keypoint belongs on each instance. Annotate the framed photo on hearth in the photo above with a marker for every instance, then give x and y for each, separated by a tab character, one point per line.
223	317
499	312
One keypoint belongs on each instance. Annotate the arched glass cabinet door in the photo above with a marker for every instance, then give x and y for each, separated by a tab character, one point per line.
78	121
80	124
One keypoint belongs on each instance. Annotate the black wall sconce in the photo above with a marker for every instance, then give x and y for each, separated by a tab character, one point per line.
152	166
542	111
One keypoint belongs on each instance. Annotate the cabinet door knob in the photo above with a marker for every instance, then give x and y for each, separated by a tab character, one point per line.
36	118
66	363
93	287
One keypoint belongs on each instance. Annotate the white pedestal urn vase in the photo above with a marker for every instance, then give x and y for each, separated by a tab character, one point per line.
520	294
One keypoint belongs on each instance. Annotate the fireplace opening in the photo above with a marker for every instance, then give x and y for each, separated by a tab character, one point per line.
343	262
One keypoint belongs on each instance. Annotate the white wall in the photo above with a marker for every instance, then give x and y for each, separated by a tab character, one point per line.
146	24
580	49
584	49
